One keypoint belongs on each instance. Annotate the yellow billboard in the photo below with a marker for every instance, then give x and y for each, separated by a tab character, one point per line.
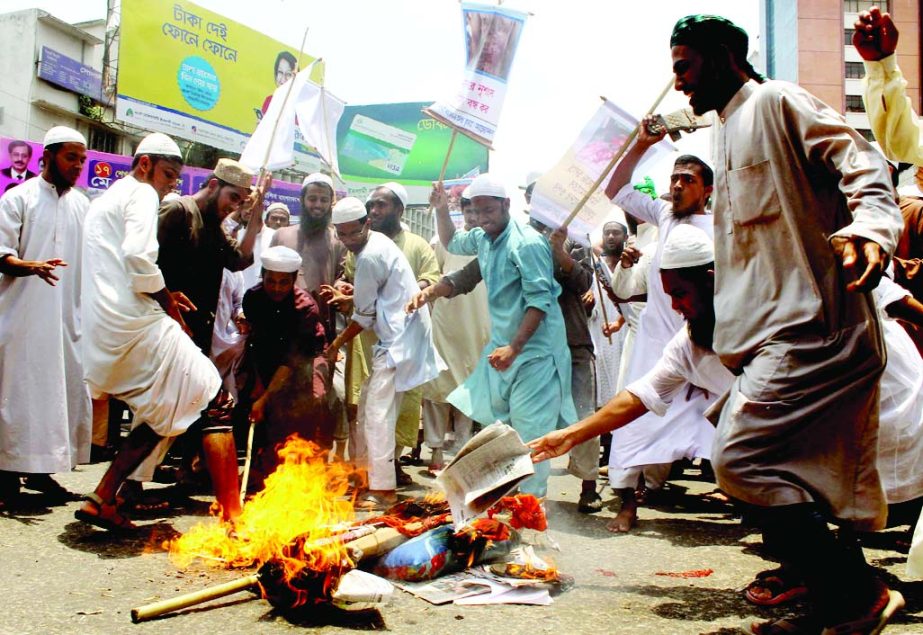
192	73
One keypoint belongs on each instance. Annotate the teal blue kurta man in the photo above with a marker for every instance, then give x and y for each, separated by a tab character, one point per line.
534	393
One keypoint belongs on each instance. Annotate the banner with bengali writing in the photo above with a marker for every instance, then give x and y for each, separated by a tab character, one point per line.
491	37
195	74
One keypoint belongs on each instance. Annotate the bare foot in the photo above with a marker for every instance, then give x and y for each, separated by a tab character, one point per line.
623	521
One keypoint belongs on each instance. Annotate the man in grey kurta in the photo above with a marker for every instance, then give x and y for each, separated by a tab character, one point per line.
804	223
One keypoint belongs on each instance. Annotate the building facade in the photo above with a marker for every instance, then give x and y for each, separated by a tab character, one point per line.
809	42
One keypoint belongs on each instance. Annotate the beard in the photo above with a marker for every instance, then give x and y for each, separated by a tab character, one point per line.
702	330
390	225
311	225
57	177
614	252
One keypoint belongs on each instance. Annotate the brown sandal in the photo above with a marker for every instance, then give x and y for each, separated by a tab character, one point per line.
106	516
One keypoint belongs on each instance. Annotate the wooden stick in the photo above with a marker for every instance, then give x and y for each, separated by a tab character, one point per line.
445	163
379	542
150	611
246	476
615	159
599	288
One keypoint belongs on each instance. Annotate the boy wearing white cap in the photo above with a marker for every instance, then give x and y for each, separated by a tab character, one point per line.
44	404
289	375
276	216
136	344
404	356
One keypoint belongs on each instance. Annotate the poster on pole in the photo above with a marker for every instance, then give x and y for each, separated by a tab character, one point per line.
558	191
491	37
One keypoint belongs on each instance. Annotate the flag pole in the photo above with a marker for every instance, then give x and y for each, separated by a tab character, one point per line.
445	162
615	159
599	288
275	125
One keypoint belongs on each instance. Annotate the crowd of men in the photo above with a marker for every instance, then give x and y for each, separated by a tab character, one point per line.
763	316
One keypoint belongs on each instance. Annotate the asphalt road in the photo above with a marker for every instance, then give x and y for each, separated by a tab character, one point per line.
61	576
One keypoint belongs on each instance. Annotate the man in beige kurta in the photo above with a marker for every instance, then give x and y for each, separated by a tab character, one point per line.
804	224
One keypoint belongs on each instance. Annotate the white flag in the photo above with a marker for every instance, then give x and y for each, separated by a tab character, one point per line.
317	113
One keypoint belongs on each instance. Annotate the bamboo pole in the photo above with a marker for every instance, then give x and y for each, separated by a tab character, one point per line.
246	477
599	288
615	159
445	162
150	611
367	545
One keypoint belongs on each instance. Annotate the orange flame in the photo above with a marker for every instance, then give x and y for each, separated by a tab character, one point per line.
294	521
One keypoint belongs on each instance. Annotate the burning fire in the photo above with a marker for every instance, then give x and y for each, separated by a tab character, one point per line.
297	522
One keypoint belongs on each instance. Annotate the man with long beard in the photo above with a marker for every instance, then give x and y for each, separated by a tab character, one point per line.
687	274
314	239
44	402
805	222
322	265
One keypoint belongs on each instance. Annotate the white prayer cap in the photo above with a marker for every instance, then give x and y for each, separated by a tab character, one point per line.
466	193
63	134
486	185
531	178
281	259
348	210
160	144
317	177
234	172
398	190
687	246
277	206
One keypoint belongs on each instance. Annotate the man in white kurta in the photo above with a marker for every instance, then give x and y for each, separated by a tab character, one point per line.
805	221
404	356
45	414
135	346
687	273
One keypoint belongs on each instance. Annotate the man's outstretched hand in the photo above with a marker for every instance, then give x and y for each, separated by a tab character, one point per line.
551	445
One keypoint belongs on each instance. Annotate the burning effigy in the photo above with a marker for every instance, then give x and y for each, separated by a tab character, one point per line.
301	535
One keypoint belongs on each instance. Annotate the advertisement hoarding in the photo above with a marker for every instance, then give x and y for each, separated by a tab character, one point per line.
377	143
195	74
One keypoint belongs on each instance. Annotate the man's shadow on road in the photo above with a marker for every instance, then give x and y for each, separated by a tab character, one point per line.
114	545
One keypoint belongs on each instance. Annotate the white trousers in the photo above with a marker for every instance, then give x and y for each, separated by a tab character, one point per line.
436	420
378	407
655	475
